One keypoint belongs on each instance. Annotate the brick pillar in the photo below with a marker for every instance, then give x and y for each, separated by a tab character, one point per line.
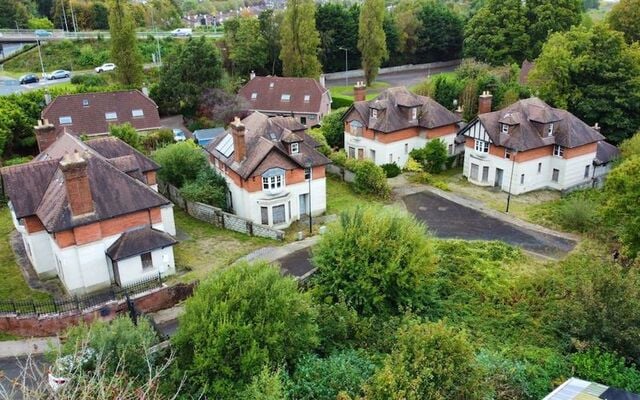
484	102
239	144
359	91
76	180
45	134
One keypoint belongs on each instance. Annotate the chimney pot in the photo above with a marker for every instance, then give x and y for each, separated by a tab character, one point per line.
252	75
597	127
484	102
239	144
359	91
45	134
76	180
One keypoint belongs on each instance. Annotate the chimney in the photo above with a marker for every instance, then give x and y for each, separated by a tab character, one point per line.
45	134
76	181
597	127
252	75
484	102
239	145
323	81
359	91
145	90
459	111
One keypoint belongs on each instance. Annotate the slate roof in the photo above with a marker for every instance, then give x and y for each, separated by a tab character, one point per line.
528	119
606	153
87	111
112	147
264	138
578	389
139	241
270	98
394	111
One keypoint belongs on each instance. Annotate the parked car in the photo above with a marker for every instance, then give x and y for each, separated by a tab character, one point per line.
178	135
42	33
182	32
105	67
59	74
28	78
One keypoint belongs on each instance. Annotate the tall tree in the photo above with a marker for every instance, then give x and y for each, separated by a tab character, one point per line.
440	34
124	44
338	27
249	51
372	42
13	12
548	16
625	17
405	16
270	31
300	40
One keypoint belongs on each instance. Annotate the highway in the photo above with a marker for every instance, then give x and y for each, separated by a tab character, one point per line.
25	36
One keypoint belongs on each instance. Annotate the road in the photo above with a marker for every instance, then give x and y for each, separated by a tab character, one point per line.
400	78
9	86
12	376
30	37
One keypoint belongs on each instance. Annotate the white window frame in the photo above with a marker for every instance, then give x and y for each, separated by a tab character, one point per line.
111	116
308	174
374	113
481	146
272	183
550	129
414	113
558	151
295	148
254	96
63	120
504	128
137	113
285	98
147	265
307	98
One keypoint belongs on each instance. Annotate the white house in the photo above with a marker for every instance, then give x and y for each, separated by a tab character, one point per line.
274	172
386	129
88	212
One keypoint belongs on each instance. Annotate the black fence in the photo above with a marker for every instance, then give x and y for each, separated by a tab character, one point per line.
78	303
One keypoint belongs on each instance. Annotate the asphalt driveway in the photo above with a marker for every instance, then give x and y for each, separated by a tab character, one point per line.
447	219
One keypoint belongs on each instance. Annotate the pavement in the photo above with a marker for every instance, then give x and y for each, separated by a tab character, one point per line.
293	258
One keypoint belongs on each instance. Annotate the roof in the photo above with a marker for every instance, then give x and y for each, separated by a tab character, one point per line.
579	389
37	188
112	147
265	137
394	112
528	120
606	153
208	133
88	112
139	241
269	91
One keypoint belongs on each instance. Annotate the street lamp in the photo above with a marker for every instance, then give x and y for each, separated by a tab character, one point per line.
513	164
346	64
309	166
40	55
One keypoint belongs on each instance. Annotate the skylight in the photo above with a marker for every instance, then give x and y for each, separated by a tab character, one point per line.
307	98
285	97
137	113
65	120
254	96
85	103
110	116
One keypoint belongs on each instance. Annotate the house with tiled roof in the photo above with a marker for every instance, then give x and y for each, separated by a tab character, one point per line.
304	99
89	212
273	169
579	389
530	145
386	129
92	113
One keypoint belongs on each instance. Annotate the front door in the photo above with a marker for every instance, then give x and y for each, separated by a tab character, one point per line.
499	174
304	205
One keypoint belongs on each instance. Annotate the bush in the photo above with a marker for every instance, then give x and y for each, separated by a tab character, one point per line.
412	165
89	80
391	170
157	139
127	134
339	101
333	128
606	368
17	160
208	188
426	178
181	162
631	146
578	212
266	385
39	23
371	179
339	158
432	157
319	137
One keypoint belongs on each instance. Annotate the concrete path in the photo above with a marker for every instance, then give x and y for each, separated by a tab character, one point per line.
25	347
293	257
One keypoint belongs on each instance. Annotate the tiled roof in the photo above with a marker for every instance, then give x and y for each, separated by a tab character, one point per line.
87	112
139	241
264	146
606	153
112	147
394	106
578	389
269	92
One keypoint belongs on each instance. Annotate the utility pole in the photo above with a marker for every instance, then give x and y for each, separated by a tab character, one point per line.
155	30
513	167
73	18
346	65
64	16
41	62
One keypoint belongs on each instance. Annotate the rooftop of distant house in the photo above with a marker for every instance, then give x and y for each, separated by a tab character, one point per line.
273	93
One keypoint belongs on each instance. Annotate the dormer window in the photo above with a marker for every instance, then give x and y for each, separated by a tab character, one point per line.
504	128
355	128
285	97
65	120
374	113
550	130
414	113
295	148
254	96
271	85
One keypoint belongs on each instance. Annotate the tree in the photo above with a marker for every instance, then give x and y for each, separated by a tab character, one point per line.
371	179
595	75
265	386
239	321
371	38
430	361
440	34
338	28
300	40
406	19
180	162
124	44
548	16
270	31
13	12
221	107
497	33
377	260
249	48
631	146
625	17
432	156
39	23
127	134
333	127
208	188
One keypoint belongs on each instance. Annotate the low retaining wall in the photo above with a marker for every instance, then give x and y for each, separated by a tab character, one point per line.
343	173
54	324
356	73
217	216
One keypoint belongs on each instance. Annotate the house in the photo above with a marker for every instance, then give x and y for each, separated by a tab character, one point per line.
89	212
387	128
274	172
92	113
579	389
530	145
304	99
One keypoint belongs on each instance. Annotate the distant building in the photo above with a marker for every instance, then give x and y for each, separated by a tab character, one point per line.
578	389
204	136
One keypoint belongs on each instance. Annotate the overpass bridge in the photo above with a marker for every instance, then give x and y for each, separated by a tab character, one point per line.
15	36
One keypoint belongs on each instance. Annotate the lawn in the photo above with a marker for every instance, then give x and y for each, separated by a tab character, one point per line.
204	248
341	197
347	91
12	286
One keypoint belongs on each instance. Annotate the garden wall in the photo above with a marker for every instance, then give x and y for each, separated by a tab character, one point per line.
343	173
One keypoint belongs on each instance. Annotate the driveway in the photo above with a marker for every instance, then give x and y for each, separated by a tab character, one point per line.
297	264
176	121
447	219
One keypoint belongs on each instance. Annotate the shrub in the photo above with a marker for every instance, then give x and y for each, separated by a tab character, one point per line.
391	170
157	139
606	368
377	260
266	385
577	212
339	158
371	179
17	160
39	23
180	162
333	128
432	157
412	165
127	134
317	135
631	146
339	101
208	188
89	80
427	179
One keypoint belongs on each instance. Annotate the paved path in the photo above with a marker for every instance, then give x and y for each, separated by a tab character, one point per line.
293	257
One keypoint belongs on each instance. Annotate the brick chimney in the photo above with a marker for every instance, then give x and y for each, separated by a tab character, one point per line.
459	112
359	91
45	134
76	181
484	102
239	144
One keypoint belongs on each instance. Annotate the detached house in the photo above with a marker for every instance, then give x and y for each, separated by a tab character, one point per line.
304	99
274	172
530	145
386	129
88	212
92	113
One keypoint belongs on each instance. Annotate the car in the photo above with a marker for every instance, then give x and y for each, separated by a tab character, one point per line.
59	74
178	135
28	78
105	67
182	32
42	33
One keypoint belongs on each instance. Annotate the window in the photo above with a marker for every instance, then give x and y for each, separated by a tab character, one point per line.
307	98
110	116
65	120
504	128
303	120
85	103
352	152
391	158
522	179
374	113
586	171
356	128
482	146
539	167
372	155
485	174
507	154
558	151
450	151
556	175
272	182
550	130
271	85
307	174
264	215
254	96
414	113
147	261
285	97
406	148
137	113
278	214
295	148
474	171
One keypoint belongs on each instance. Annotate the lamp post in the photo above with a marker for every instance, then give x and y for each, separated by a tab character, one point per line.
513	164
346	64
40	55
309	165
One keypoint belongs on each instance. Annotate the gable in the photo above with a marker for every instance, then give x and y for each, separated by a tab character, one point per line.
476	130
274	159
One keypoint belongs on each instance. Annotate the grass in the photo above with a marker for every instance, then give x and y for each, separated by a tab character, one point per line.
12	286
208	248
341	197
347	91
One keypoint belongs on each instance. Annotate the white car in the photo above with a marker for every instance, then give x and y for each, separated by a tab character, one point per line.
178	135
182	32
105	67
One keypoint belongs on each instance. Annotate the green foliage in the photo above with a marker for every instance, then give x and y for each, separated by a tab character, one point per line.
39	23
318	136
391	170
440	35
318	378
89	79
432	156
546	16
412	165
248	49
339	158
128	134
606	368
371	38
430	361
631	146
625	17
371	179
265	386
578	211
13	12
17	161
377	260
124	50
300	40
337	24
208	188
157	139
339	101
333	128
239	321
180	162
